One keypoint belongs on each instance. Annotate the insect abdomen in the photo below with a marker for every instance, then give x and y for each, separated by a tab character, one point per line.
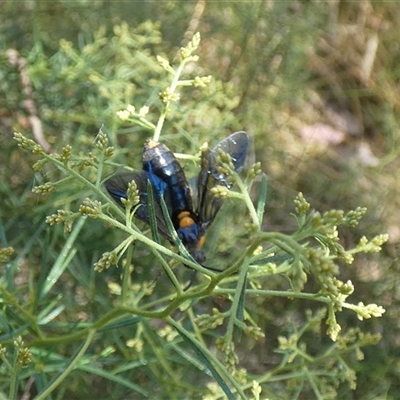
160	161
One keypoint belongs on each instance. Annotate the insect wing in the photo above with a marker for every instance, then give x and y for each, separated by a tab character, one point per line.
118	185
236	145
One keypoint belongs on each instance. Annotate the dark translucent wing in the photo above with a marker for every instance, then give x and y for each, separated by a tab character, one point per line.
207	204
236	145
118	185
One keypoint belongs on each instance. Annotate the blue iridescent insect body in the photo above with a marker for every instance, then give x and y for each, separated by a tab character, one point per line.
190	214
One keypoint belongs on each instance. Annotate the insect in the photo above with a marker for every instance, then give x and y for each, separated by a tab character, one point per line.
192	209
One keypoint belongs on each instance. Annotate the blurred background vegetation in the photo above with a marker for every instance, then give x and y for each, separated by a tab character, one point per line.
315	82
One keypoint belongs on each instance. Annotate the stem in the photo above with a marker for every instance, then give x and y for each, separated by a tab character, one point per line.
278	293
159	353
126	276
96	189
236	299
63	259
69	368
247	200
100	169
174	84
211	358
14	380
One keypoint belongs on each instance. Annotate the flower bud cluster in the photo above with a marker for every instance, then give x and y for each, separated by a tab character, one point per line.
289	346
168	333
65	153
168	96
254	171
192	46
251	227
373	245
333	329
220	191
39	164
130	114
352	217
165	64
207	322
123	115
24	356
254	332
61	217
92	208
224	162
48	187
5	254
256	390
348	338
228	348
368	311
314	319
325	271
333	217
101	141
105	262
201	81
136	344
240	376
355	338
301	204
298	277
132	193
28	144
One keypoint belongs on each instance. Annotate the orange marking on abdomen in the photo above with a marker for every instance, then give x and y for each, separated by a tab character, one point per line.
185	220
202	239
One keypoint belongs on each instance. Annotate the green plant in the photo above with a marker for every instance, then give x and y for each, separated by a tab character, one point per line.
157	339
